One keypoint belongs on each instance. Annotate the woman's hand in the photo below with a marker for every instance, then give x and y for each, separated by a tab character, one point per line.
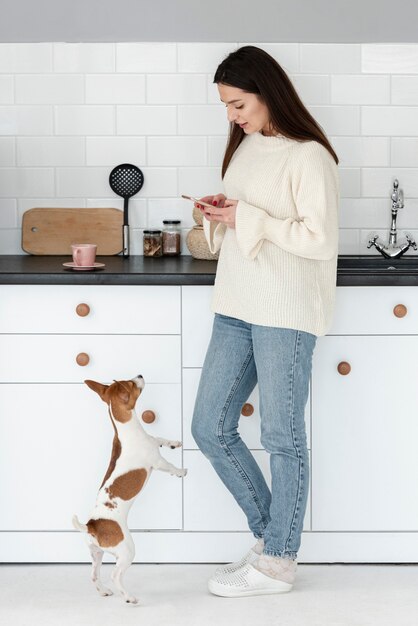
217	200
223	211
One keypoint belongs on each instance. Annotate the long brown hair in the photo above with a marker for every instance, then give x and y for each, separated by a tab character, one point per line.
253	70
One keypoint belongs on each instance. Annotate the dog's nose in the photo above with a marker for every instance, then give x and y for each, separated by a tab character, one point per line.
139	381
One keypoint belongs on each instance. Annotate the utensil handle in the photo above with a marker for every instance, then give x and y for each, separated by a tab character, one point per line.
125	238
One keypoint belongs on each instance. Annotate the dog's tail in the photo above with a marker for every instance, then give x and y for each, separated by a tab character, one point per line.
78	525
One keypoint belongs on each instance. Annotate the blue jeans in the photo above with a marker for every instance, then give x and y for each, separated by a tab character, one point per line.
280	360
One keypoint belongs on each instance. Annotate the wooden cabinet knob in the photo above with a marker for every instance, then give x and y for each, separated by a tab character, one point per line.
344	368
148	417
247	409
400	310
82	359
82	309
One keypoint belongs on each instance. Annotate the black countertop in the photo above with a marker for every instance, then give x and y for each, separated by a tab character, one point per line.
185	270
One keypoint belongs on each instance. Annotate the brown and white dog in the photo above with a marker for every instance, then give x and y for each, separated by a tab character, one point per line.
134	455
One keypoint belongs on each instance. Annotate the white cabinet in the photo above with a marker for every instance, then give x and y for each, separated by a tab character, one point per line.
364	434
364	427
55	433
56	438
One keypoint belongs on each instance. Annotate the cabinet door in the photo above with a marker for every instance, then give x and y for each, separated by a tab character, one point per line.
197	321
364	434
56	446
208	505
249	426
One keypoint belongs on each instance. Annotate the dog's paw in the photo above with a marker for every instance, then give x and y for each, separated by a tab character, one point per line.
131	600
104	592
175	444
181	473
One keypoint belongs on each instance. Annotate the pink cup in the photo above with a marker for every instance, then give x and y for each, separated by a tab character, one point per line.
84	254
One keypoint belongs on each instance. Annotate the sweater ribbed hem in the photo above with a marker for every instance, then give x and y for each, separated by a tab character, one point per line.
280	320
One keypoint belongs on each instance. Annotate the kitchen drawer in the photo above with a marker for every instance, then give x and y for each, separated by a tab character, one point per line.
370	311
208	505
113	309
56	446
249	426
52	358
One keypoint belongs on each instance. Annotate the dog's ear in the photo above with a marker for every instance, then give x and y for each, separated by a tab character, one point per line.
97	387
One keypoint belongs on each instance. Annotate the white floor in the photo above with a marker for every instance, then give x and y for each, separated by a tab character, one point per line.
335	595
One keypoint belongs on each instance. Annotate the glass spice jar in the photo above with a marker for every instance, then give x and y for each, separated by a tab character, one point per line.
171	237
153	243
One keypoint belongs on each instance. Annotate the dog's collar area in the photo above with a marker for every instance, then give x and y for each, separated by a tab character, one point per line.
119	417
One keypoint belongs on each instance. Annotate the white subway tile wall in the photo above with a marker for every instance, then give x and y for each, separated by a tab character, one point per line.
70	112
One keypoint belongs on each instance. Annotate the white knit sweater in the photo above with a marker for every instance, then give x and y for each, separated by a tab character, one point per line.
278	266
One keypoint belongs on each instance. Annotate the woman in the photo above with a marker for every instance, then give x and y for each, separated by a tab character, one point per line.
277	231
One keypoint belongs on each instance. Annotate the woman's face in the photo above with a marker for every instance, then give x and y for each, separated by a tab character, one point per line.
245	109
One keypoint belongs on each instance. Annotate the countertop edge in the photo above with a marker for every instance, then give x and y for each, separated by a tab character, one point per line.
107	279
352	270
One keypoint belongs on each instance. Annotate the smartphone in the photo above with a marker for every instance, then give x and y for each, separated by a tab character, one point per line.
212	206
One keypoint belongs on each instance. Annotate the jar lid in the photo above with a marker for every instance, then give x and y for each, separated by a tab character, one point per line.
152	232
171	221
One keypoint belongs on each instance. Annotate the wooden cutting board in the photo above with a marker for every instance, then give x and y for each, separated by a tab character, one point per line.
52	231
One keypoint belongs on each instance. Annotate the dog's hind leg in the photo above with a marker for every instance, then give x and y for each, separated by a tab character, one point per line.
96	557
125	553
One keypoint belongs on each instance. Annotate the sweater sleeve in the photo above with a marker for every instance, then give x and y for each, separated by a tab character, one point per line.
214	233
315	188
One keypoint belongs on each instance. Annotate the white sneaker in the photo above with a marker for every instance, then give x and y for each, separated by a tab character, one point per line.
230	568
246	581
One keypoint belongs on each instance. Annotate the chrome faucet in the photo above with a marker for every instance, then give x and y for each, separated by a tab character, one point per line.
392	250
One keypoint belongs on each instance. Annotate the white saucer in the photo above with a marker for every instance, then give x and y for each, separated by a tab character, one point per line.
73	266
